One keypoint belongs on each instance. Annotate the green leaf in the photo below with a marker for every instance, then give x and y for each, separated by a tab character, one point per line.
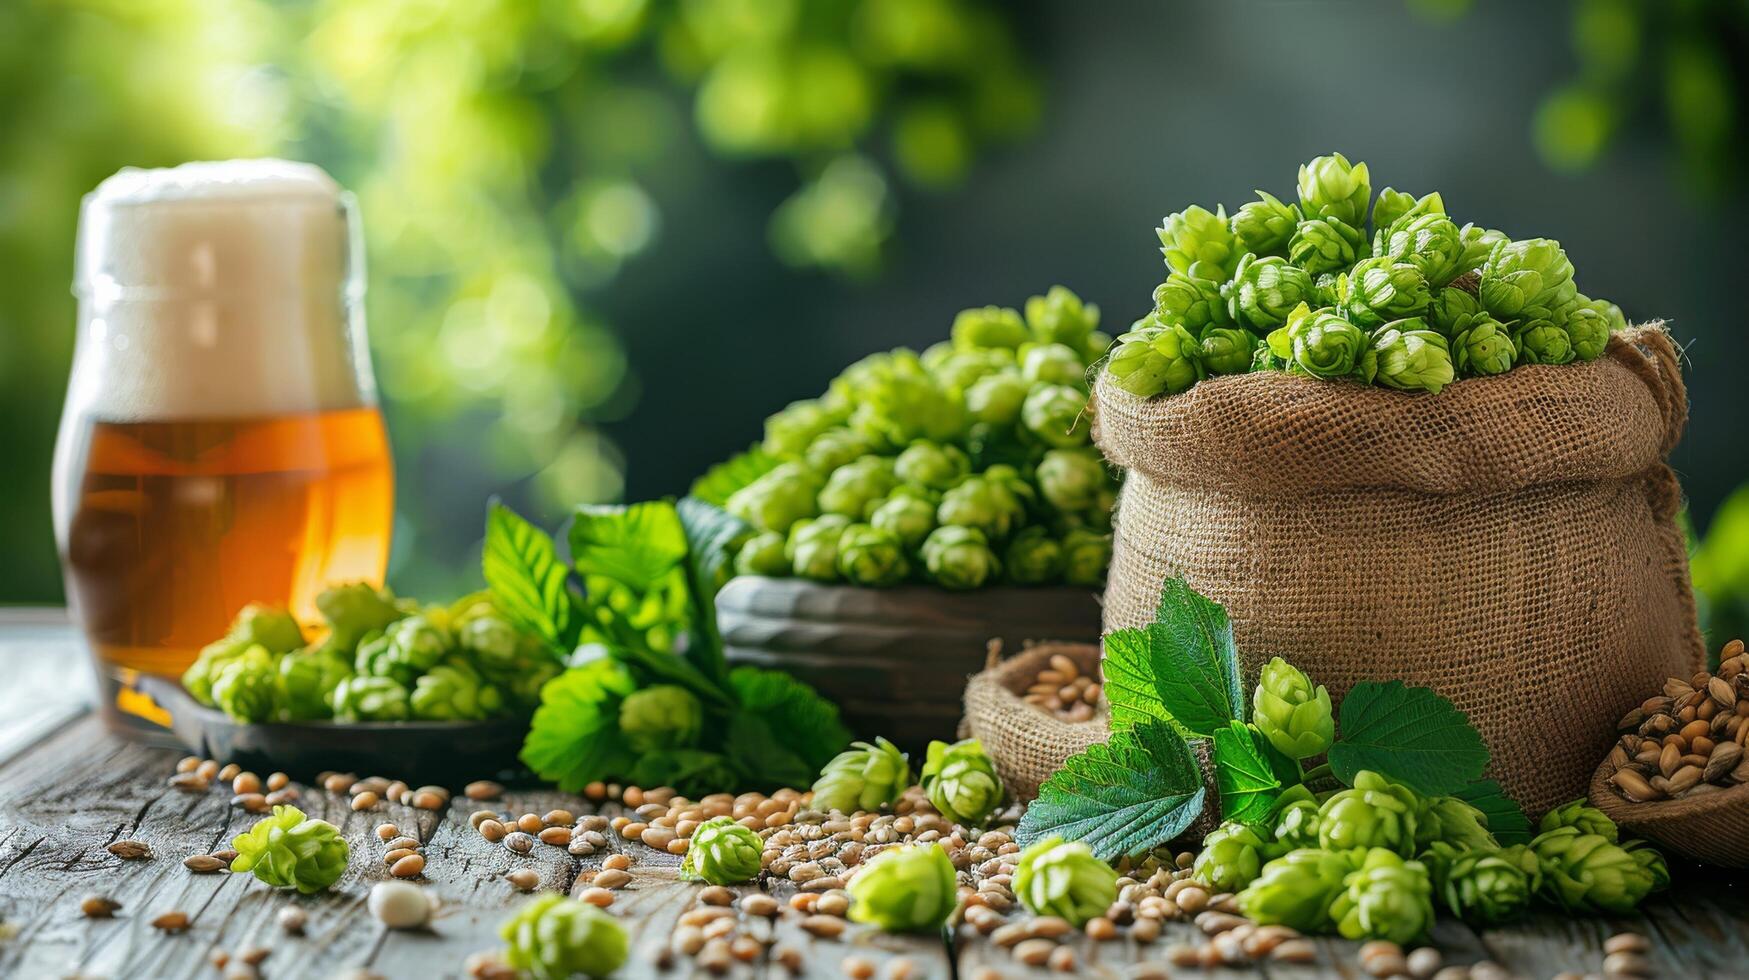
694	772
1409	734
764	760
1245	774
574	739
1182	669
526	578
636	545
710	533
1506	821
796	713
1123	797
667	668
720	482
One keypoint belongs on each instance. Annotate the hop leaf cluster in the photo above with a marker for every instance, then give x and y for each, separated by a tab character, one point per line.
971	464
1340	286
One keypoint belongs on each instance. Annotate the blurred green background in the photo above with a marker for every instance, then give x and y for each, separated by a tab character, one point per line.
607	237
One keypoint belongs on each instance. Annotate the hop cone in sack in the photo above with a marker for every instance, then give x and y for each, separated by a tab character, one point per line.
1393	204
1483	347
1321	245
1266	225
1330	187
1381	290
1524	275
1194	236
1429	242
1263	291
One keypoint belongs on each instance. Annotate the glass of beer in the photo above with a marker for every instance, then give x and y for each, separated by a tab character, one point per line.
221	442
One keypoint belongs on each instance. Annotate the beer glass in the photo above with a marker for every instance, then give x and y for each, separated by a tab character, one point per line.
221	442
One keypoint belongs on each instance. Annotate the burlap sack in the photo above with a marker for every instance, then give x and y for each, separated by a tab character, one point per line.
1510	542
1028	744
1712	828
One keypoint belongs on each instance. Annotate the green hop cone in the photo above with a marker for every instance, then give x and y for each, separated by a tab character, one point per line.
1265	226
1070	479
1651	860
1451	820
1325	245
1297	889
964	368
1453	310
1541	341
1054	364
906	517
552	937
777	500
837	447
1409	358
1589	873
1194	237
722	852
1479	243
1429	242
1033	557
661	716
855	488
961	781
1320	343
1064	880
871	557
1231	858
989	326
1180	364
1193	300
1482	887
1060	317
813	547
996	399
1588	332
1136	367
1330	187
1581	814
1296	826
1524	275
1381	290
416	644
1375	813
762	554
1387	897
1086	555
959	557
1263	291
1484	347
862	778
905	889
490	638
1393	204
273	629
981	503
1610	312
247	689
1226	350
365	698
286	850
1052	413
454	691
930	465
1293	714
789	431
308	678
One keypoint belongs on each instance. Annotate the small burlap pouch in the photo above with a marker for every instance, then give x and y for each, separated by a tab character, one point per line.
1510	542
1027	743
1712	828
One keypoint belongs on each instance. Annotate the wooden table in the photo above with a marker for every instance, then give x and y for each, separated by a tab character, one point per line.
68	789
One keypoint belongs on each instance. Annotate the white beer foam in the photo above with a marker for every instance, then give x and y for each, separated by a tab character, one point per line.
217	290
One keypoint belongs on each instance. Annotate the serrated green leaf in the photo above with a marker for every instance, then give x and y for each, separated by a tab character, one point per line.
795	712
1245	774
1126	796
1182	669
526	578
636	545
574	738
721	481
1409	734
1506	821
709	532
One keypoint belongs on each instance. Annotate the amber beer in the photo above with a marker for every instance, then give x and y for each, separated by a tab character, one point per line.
221	443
